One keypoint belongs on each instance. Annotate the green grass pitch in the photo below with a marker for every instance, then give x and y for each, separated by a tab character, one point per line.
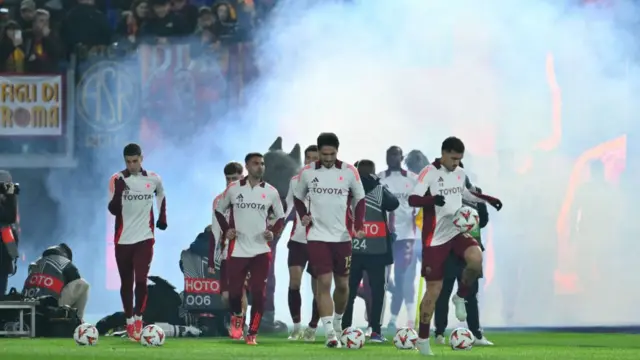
510	346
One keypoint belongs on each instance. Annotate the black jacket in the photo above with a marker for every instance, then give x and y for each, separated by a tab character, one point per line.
200	245
8	209
389	203
8	217
86	25
70	271
166	27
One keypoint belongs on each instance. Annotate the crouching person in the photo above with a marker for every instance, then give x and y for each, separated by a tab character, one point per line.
202	296
55	275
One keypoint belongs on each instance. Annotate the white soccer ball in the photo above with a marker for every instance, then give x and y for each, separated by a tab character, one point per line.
466	219
152	335
461	339
86	335
405	339
352	338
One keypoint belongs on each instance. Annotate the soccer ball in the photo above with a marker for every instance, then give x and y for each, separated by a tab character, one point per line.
352	338
86	335
405	339
152	335
461	339
466	219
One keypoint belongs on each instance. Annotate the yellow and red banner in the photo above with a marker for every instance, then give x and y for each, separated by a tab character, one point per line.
31	105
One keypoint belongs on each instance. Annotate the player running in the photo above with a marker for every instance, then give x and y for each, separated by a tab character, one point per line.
217	244
249	201
402	222
439	192
331	186
297	261
131	201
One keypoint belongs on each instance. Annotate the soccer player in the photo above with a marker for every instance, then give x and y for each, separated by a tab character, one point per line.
453	271
402	221
331	186
439	192
249	201
132	191
218	250
298	259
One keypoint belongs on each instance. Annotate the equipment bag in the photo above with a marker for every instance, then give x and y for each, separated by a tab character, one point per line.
56	322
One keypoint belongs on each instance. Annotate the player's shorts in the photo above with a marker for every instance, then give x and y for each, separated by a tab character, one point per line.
329	257
434	258
298	255
403	252
238	270
224	280
134	259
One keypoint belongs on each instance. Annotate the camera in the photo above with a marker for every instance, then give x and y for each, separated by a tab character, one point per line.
5	186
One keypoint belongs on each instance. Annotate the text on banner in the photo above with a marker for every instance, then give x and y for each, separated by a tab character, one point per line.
31	105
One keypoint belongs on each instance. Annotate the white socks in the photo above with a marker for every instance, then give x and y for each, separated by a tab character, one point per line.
327	321
130	321
411	312
136	318
337	321
296	326
393	319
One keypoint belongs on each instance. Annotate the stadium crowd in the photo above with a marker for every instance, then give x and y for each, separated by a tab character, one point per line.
38	35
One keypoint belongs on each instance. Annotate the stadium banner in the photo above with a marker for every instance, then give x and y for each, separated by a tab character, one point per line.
107	99
32	105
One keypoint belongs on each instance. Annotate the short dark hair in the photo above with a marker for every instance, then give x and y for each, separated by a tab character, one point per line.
394	147
365	163
132	150
310	148
251	156
158	2
328	139
233	168
453	144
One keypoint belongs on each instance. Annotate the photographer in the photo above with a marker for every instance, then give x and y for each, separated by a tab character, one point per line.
8	229
55	275
372	253
202	296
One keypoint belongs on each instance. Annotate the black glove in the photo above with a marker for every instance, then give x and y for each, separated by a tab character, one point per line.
496	203
438	200
161	225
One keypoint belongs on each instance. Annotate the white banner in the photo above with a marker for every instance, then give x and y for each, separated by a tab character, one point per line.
31	105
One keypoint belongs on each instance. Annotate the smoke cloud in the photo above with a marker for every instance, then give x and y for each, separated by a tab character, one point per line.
499	74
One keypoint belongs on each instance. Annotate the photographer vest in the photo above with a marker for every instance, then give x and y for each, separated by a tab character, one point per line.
201	288
46	277
375	227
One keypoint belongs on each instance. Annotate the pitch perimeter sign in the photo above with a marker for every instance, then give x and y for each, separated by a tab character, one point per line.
31	105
